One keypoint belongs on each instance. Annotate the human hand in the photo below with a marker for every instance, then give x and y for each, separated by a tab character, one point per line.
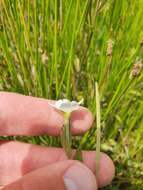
31	167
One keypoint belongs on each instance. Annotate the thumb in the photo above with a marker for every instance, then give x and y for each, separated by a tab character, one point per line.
65	175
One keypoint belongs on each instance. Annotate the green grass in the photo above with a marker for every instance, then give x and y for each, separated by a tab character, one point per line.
56	49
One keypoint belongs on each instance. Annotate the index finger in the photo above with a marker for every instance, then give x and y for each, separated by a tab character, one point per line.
26	115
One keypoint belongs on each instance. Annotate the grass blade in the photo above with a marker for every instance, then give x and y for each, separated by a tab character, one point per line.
98	122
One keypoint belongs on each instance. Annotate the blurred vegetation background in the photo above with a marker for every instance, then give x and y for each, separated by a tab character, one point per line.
59	49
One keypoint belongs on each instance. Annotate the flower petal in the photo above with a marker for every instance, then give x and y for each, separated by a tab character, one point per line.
58	103
66	106
81	101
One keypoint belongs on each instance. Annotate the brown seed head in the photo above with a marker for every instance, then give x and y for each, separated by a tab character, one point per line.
136	68
109	47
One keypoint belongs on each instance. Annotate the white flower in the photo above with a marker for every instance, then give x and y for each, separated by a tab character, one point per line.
66	106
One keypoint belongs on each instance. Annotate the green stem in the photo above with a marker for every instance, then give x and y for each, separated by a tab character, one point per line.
98	120
66	138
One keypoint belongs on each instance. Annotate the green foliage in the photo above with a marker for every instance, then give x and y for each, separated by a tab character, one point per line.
56	49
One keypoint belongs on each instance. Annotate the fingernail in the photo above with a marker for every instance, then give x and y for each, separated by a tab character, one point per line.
79	177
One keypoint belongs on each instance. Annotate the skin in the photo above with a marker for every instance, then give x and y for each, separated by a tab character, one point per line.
25	166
